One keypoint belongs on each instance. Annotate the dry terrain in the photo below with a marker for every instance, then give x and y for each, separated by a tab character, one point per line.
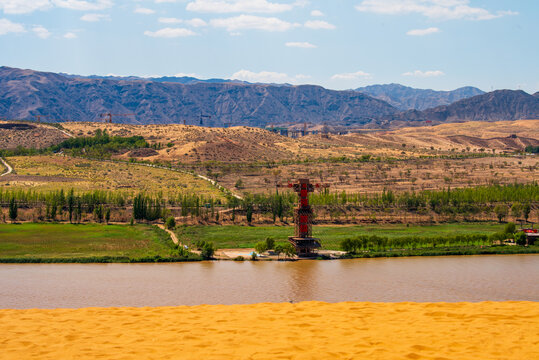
191	144
13	134
397	175
306	330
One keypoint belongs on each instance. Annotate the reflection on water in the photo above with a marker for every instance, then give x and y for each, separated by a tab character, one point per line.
464	278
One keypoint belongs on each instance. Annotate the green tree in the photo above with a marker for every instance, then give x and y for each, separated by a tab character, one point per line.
249	213
99	213
510	228
260	247
70	204
13	209
526	209
516	210
278	250
289	250
270	243
107	215
500	211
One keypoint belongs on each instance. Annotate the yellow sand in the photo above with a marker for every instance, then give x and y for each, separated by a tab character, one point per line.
308	330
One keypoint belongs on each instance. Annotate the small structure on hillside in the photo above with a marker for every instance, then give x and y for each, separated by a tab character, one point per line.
303	241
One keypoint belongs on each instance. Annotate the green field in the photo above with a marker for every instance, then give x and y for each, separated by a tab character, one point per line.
234	236
83	243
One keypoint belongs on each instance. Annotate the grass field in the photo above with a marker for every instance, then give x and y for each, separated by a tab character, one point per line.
233	236
49	242
47	173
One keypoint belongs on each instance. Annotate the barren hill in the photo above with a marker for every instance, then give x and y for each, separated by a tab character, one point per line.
13	134
242	144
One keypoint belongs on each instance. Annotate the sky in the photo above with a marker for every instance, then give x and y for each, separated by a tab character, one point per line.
339	44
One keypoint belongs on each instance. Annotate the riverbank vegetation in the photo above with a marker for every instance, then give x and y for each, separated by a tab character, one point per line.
234	236
30	242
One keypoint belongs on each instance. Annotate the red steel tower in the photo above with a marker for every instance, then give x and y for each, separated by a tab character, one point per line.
303	241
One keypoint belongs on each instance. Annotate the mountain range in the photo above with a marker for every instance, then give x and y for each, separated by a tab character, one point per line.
24	94
493	106
407	98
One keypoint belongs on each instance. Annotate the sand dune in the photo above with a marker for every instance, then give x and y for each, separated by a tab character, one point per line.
307	330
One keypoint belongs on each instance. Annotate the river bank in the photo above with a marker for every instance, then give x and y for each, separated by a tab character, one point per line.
124	243
306	330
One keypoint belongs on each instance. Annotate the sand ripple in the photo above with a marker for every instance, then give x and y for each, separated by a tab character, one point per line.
307	330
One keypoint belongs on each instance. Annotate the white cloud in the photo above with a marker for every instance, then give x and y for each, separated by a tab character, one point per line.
196	22
144	11
428	73
7	26
351	76
267	77
422	32
246	22
317	13
244	6
169	20
186	75
304	45
170	33
23	6
94	17
41	32
83	5
70	35
28	6
434	9
165	1
319	24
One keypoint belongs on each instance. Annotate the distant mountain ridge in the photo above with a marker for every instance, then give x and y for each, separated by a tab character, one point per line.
24	94
408	98
27	93
493	106
171	79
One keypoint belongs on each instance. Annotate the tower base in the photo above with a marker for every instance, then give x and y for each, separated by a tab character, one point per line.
305	247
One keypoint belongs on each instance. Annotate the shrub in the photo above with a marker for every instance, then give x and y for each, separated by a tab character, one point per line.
520	238
207	250
260	247
239	258
510	228
270	243
170	223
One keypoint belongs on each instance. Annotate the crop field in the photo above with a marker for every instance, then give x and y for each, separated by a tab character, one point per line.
47	173
232	236
67	241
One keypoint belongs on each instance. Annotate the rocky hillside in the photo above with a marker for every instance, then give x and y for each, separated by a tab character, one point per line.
493	106
407	98
27	93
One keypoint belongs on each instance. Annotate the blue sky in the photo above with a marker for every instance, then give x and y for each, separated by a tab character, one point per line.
339	44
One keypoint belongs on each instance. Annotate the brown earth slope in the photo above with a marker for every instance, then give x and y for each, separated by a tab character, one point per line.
13	134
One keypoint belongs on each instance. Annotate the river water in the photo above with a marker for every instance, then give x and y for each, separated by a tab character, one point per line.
450	279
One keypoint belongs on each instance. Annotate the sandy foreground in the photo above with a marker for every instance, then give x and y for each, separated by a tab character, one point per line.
306	330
